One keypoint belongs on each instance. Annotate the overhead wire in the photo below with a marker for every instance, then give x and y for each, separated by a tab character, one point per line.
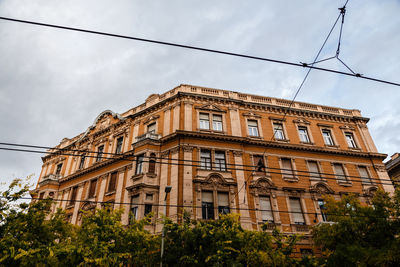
304	65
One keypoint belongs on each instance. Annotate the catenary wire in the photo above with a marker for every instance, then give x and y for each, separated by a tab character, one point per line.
122	157
304	65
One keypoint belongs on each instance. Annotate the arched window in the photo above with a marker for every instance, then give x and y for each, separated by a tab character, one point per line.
152	163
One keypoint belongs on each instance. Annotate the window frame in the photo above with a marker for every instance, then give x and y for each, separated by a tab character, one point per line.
92	194
281	130
324	217
256	127
135	207
139	164
206	165
292	211
353	139
82	162
99	153
339	177
256	164
59	168
306	134
270	210
363	182
151	125
312	174
119	145
284	172
73	196
219	164
112	182
218	122
330	135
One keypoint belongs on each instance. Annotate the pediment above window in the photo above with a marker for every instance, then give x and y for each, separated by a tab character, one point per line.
347	127
321	188
301	121
151	119
251	115
211	107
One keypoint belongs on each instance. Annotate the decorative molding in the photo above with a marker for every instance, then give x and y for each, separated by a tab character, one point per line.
237	153
252	115
276	118
323	125
301	121
347	127
380	168
210	107
151	119
187	148
174	150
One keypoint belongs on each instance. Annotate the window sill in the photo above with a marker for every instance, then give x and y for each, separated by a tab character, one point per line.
269	225
300	227
213	170
355	148
282	140
316	179
137	176
151	175
307	143
345	183
211	131
332	146
254	136
110	193
290	179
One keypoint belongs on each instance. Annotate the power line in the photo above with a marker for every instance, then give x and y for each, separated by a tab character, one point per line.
123	157
189	206
119	156
304	65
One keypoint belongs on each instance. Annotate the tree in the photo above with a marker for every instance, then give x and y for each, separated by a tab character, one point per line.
361	235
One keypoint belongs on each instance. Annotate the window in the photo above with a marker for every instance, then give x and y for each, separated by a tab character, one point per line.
149	197
151	128
314	170
322	208
139	164
253	127
82	163
92	188
58	170
73	195
266	211
327	137
207	205
205	159
278	131
152	163
147	209
223	203
296	211
41	196
134	207
303	134
120	140
340	174
258	161
365	178
217	122
350	140
113	182
100	151
204	121
287	168
220	164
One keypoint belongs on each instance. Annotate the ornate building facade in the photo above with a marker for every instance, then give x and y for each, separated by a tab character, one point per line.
221	152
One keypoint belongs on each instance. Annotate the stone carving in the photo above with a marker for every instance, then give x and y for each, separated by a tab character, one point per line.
301	121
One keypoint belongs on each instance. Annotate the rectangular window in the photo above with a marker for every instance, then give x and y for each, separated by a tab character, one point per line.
340	174
207	205
278	131
92	188
220	163
149	197
205	159
322	208
73	195
58	170
327	137
217	122
259	164
365	178
147	209
120	140
41	196
303	134
134	207
100	151
204	121
350	140
314	170
253	127
82	163
113	182
296	211
139	164
266	211
287	168
223	203
151	128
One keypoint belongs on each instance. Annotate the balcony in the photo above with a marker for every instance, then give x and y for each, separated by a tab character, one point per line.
50	178
150	135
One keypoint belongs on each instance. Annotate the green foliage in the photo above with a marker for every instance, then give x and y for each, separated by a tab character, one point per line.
361	235
224	242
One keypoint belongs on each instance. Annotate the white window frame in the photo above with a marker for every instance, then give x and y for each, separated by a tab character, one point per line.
217	165
254	130
281	131
204	124
206	165
330	137
217	123
350	143
306	134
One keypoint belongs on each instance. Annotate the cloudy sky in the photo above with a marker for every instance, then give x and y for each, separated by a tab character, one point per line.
54	83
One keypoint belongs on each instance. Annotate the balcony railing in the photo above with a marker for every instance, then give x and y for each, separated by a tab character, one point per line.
152	136
52	176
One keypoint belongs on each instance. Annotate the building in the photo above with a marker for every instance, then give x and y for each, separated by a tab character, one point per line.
393	168
220	151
